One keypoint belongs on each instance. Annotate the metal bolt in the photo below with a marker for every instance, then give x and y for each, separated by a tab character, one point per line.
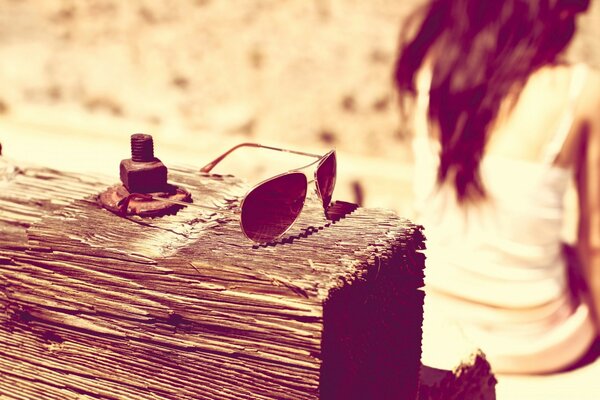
143	173
142	147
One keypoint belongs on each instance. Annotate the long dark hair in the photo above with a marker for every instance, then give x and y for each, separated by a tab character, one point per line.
481	51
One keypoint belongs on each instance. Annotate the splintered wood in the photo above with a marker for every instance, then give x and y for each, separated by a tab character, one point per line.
94	305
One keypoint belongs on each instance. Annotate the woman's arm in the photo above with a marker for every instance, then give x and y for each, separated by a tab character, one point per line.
588	188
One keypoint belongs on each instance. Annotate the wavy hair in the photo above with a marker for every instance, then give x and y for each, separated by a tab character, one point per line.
480	53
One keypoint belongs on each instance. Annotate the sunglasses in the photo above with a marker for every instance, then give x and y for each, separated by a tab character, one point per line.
270	208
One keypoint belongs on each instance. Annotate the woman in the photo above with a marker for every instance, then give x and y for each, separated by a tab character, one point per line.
501	126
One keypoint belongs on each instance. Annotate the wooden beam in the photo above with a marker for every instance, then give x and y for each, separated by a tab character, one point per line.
184	307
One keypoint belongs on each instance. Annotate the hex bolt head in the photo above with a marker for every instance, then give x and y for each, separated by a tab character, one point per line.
143	173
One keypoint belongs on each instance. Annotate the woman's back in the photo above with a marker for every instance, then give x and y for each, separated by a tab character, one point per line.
497	265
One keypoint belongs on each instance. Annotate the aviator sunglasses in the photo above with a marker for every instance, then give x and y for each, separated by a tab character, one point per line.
270	208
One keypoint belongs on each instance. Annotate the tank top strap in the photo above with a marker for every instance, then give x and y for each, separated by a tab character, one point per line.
565	125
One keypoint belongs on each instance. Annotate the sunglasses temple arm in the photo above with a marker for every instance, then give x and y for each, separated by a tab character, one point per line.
208	167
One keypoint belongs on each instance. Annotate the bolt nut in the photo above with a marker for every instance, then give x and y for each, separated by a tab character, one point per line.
144	177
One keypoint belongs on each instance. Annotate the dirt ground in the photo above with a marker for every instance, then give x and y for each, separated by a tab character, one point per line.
77	78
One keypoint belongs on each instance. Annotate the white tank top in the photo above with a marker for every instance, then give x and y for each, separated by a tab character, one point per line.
497	270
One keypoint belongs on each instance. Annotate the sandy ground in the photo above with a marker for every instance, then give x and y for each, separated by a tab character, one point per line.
77	78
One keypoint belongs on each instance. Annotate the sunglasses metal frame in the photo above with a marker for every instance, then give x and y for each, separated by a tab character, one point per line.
293	171
208	167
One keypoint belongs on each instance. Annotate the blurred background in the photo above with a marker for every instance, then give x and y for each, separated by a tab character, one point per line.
77	78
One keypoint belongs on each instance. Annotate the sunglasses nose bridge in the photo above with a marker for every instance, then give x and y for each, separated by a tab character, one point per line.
310	176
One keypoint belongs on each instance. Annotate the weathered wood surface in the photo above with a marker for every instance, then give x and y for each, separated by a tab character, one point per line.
97	306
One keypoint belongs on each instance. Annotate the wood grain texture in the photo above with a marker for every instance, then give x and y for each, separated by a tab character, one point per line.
95	306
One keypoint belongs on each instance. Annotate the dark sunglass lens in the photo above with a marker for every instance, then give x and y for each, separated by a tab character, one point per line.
271	208
326	173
